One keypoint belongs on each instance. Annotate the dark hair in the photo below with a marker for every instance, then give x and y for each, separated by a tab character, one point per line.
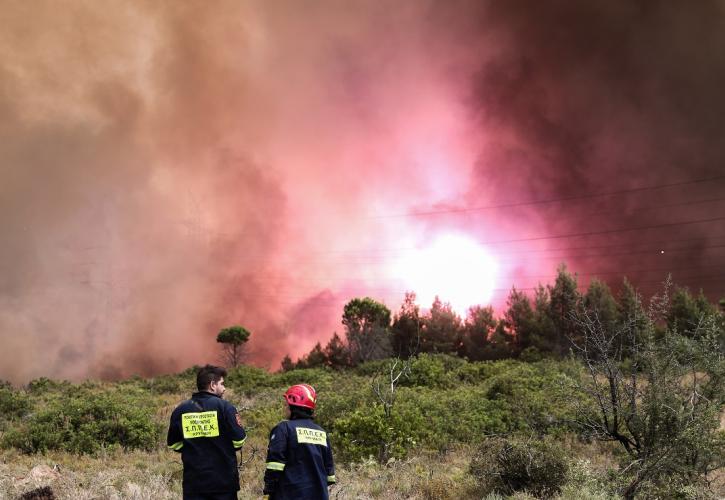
299	412
208	374
44	493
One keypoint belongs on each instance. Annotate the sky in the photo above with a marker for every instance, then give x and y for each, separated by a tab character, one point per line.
170	168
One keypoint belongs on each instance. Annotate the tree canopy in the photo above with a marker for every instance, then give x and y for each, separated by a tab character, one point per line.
233	339
367	327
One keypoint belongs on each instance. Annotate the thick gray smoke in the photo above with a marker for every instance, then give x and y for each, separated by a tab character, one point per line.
170	168
581	98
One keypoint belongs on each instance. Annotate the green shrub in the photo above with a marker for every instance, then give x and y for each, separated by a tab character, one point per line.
435	418
540	396
531	354
367	433
422	417
479	371
343	400
432	370
43	385
261	418
677	489
248	379
168	384
14	404
432	410
586	483
507	466
320	378
370	368
475	372
85	423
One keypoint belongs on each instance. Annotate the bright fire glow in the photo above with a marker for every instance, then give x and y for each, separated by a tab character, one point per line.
453	267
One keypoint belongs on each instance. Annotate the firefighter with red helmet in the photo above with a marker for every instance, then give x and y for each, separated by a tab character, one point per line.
299	457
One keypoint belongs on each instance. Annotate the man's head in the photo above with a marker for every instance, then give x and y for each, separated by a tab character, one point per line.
211	379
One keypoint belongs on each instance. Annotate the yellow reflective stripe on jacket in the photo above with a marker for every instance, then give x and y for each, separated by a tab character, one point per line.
176	446
238	444
275	466
331	479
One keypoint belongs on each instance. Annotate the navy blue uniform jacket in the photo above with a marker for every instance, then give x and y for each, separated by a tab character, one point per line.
299	461
207	431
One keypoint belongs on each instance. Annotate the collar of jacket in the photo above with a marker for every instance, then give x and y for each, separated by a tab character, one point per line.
204	394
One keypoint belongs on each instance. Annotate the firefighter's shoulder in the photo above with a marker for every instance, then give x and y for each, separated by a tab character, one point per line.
184	407
281	429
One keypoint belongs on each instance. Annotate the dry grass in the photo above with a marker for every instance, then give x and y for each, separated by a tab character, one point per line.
157	475
133	475
139	475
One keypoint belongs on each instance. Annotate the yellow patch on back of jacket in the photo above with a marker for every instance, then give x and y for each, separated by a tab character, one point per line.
198	425
311	436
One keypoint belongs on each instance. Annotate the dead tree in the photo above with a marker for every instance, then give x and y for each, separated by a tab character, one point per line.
385	388
656	393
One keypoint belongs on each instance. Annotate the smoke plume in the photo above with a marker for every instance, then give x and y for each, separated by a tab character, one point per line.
171	168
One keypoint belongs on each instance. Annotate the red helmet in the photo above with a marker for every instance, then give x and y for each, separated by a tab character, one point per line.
301	395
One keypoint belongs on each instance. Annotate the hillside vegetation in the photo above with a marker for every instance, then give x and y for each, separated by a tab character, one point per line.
478	409
458	429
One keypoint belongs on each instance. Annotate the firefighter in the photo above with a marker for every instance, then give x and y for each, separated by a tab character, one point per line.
208	431
299	457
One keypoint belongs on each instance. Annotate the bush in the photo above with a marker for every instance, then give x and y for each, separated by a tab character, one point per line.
367	433
531	355
261	418
514	397
370	368
319	378
539	395
248	379
435	418
13	404
478	371
44	385
344	399
507	466
584	482
432	370
168	384
85	423
422	417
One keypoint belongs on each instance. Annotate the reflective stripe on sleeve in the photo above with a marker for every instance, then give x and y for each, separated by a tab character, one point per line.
331	479
238	444
176	446
275	466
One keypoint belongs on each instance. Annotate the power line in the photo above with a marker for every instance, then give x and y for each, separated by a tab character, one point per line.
640	252
659	207
593	247
609	231
539	238
513	255
551	200
293	290
659	251
332	274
